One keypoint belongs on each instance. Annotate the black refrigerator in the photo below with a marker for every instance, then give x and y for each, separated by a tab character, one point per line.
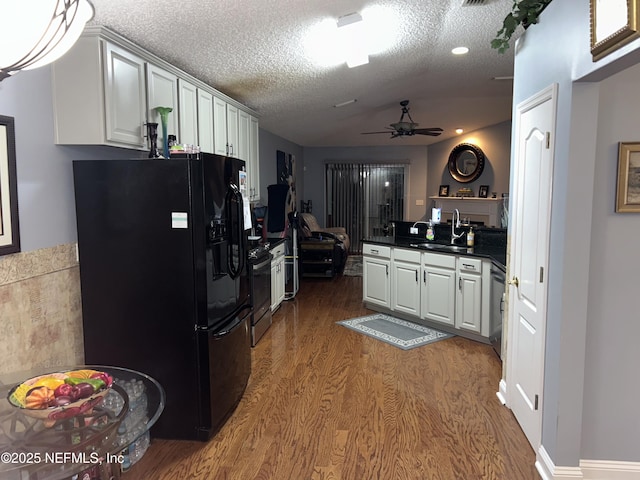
163	270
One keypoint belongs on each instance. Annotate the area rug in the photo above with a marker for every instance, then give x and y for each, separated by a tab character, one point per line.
353	266
392	330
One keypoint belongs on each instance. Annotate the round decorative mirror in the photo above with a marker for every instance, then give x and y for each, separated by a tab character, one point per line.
466	162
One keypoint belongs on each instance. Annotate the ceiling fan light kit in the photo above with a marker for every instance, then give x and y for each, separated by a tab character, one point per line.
40	32
407	129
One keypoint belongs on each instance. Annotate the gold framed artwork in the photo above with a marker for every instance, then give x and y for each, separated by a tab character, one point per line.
9	236
614	23
628	190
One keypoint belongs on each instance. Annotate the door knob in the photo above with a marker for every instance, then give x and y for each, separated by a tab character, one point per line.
514	281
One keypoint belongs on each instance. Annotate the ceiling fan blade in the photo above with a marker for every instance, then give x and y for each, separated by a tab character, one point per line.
428	131
371	133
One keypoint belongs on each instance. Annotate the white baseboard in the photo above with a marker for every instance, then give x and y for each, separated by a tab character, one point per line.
588	469
502	392
610	470
549	471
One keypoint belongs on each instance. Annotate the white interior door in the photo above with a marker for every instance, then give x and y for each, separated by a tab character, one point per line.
530	215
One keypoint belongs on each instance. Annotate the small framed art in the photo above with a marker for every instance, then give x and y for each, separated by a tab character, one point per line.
628	190
444	191
484	191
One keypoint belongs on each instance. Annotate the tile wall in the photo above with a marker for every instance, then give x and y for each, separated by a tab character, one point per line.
40	309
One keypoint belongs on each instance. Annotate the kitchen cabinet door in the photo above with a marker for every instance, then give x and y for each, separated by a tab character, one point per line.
219	126
244	124
125	96
405	286
162	91
277	282
253	164
376	275
233	119
405	293
376	281
99	96
438	299
187	112
205	121
469	302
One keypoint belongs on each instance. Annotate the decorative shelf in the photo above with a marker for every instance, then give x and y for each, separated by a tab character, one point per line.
487	210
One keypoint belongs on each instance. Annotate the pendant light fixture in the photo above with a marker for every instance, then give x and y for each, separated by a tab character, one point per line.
38	32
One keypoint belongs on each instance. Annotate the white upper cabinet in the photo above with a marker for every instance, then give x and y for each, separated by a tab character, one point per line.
232	130
162	91
125	96
106	89
220	125
244	125
99	95
253	163
205	121
187	112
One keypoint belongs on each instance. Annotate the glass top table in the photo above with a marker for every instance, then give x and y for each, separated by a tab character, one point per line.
95	440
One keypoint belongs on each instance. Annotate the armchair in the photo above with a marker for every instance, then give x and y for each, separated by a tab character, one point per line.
311	224
310	230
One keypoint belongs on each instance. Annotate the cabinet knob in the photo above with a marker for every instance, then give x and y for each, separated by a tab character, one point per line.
514	281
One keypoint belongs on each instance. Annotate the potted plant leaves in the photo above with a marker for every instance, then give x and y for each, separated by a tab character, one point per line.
523	12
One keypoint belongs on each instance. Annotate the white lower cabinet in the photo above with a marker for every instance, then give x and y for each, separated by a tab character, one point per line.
376	279
277	277
405	281
436	287
438	300
469	294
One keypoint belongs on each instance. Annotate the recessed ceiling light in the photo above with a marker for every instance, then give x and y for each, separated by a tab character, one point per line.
460	50
459	131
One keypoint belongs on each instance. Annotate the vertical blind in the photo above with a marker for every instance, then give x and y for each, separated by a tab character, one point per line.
364	199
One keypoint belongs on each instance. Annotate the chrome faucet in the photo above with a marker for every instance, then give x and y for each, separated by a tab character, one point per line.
455	223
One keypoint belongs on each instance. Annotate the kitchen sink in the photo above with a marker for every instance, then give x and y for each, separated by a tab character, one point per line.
440	246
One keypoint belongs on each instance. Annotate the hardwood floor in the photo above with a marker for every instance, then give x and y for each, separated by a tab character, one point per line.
324	402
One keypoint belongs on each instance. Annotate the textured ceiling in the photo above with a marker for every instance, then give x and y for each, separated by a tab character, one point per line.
253	51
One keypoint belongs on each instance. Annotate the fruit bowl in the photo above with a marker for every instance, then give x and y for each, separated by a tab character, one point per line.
59	395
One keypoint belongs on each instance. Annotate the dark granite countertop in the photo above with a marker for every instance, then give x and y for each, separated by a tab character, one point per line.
275	241
496	253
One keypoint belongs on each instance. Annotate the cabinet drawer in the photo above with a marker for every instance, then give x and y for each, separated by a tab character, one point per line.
376	251
471	265
278	251
439	260
404	255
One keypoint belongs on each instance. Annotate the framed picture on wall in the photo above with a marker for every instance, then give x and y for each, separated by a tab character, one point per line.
628	191
444	191
9	233
614	23
484	191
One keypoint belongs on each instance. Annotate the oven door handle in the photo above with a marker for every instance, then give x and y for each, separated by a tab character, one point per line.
260	265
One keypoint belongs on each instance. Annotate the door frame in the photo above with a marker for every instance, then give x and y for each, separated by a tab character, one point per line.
548	93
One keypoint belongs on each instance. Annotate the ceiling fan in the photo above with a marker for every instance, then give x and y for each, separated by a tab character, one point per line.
407	129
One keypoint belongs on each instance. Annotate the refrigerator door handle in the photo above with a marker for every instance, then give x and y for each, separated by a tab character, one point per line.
241	251
232	197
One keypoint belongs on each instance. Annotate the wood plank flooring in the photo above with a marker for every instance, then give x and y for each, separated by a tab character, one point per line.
327	403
